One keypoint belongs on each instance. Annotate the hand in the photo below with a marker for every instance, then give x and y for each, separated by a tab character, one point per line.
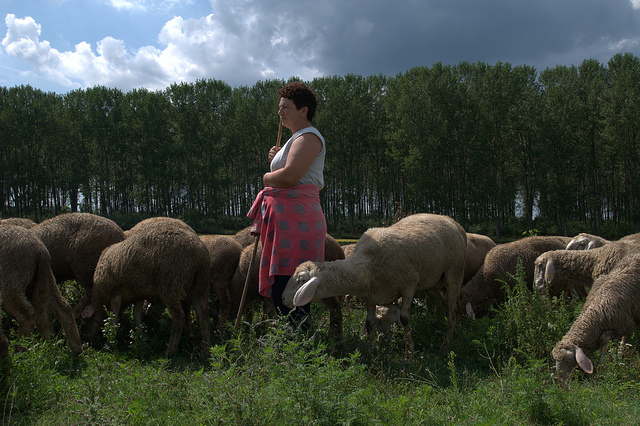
272	152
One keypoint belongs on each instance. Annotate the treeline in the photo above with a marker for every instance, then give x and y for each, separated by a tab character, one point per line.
501	148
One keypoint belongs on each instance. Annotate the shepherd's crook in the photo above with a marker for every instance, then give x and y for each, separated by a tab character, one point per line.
253	256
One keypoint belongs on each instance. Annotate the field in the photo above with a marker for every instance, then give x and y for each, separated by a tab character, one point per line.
499	371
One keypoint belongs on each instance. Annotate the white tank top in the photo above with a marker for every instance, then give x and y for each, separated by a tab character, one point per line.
314	175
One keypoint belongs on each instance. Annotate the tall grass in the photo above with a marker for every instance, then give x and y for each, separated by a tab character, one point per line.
498	371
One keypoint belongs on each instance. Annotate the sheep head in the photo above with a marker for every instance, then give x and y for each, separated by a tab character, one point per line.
386	316
302	286
585	242
567	358
543	273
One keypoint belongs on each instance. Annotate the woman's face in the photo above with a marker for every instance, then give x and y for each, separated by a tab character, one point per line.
291	117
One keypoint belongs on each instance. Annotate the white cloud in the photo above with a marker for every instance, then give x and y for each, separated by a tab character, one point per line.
128	4
234	46
635	4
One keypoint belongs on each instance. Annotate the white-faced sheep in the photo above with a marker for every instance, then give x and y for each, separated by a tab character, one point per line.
348	249
584	241
416	254
477	248
19	221
224	254
559	270
500	267
25	273
160	260
611	310
332	251
75	242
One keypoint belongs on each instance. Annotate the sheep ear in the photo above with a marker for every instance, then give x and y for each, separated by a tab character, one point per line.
470	312
550	271
591	245
88	311
306	292
583	361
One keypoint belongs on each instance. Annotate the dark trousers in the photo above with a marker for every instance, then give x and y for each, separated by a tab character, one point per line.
296	316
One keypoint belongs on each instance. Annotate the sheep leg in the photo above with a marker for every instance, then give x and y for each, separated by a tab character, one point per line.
188	325
453	285
405	315
224	300
40	302
177	324
116	305
22	310
65	315
202	313
335	316
370	320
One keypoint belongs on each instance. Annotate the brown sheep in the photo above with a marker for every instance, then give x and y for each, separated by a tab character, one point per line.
75	242
332	251
611	310
19	221
25	273
559	270
163	260
225	255
486	287
153	222
244	237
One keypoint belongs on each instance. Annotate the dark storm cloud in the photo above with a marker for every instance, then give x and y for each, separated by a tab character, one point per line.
391	37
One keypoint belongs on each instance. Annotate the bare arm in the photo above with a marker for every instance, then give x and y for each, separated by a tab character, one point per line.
302	154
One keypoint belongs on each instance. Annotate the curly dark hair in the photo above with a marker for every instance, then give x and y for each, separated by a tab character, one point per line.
301	95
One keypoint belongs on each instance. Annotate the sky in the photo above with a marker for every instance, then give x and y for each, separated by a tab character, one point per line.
62	45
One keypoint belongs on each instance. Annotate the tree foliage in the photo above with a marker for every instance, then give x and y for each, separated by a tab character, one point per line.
491	145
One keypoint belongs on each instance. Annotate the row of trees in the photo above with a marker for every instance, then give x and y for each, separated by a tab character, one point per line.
483	143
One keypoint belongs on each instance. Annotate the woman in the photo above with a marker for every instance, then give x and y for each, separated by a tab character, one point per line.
287	212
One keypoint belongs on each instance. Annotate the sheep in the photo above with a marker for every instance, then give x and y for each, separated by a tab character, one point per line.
332	252
632	238
418	253
477	248
611	310
153	223
224	254
385	317
244	237
584	241
500	266
161	259
75	242
348	249
19	221
559	270
25	273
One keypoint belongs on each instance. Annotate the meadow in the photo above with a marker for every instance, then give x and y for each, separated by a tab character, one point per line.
498	371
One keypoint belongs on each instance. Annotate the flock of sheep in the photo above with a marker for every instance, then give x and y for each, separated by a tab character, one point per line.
162	260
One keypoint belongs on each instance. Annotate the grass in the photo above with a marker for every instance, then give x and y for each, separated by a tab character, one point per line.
499	371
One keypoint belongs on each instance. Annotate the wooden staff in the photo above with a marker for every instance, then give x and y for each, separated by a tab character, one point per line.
245	290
